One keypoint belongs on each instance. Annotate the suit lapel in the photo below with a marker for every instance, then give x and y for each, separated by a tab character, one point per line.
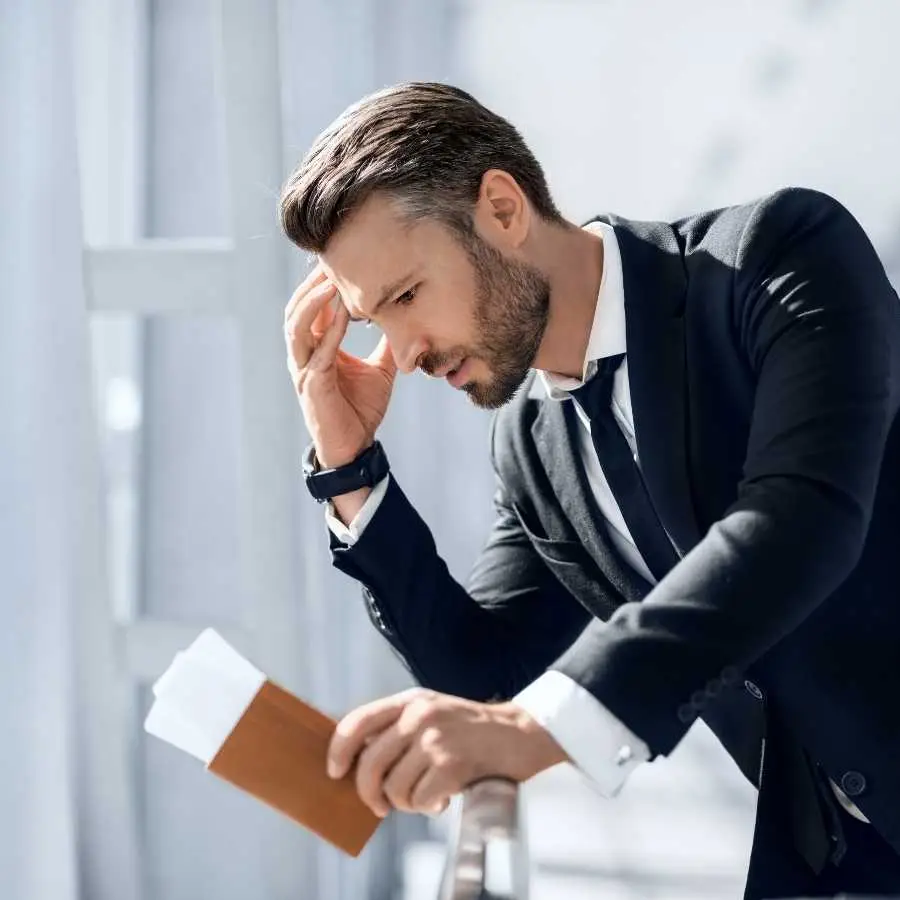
654	282
654	285
554	439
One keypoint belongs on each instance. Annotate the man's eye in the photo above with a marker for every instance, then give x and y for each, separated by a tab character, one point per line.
407	297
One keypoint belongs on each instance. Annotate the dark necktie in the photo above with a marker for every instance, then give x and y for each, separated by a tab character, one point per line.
621	470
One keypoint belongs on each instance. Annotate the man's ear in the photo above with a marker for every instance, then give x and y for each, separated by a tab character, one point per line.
502	213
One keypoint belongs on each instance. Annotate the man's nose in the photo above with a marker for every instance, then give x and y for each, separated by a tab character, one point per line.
407	350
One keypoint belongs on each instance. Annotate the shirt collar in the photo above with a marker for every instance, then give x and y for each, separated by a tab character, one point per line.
607	336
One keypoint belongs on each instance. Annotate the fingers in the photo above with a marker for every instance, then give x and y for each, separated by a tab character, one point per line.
325	317
316	276
324	354
301	342
374	763
433	790
398	786
309	308
351	732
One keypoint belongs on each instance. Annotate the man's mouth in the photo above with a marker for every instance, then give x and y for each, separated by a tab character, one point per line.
458	376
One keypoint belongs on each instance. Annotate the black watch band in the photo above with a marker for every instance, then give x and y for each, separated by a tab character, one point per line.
365	471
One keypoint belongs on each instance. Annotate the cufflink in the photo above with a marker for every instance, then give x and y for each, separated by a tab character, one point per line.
624	755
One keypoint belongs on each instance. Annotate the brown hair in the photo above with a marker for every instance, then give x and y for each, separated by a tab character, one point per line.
427	145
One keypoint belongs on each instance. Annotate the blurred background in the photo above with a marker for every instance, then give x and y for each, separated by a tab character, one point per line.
150	439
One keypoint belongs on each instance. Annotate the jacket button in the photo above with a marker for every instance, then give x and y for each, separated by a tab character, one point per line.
853	783
753	690
373	608
686	713
698	700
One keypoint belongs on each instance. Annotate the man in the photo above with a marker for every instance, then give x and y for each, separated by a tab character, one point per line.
698	481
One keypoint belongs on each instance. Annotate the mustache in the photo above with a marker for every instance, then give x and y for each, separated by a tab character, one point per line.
434	360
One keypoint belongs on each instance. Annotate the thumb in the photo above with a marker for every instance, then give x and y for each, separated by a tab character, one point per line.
382	357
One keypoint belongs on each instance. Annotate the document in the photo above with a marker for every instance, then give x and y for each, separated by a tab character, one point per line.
215	705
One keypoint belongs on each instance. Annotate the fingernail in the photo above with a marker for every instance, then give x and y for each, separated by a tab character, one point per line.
333	770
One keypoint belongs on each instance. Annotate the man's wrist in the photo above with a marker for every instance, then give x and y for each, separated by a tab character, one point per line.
543	749
327	460
347	506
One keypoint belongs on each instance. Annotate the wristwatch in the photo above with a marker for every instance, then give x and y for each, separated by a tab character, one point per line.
365	471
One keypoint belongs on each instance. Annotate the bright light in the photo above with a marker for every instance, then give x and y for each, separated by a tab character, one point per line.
123	405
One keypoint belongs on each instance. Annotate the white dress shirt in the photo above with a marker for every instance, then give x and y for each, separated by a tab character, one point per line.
600	744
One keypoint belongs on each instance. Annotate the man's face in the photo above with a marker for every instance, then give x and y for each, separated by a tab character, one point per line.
454	307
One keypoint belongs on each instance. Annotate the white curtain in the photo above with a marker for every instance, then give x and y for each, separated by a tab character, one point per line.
44	434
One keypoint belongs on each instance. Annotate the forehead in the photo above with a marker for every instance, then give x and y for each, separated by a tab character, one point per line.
373	237
376	246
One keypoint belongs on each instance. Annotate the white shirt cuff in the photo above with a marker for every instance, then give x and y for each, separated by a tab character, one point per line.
604	749
350	534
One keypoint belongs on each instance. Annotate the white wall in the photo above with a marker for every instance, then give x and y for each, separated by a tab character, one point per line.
656	109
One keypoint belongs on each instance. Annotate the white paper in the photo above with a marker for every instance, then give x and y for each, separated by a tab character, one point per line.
169	726
201	697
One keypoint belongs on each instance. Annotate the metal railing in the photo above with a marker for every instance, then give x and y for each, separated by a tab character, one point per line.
488	856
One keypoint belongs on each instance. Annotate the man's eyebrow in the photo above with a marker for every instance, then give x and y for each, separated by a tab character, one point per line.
386	295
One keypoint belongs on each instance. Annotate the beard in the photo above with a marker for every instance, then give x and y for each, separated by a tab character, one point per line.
512	306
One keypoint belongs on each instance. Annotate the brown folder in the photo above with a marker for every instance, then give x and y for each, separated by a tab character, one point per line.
277	753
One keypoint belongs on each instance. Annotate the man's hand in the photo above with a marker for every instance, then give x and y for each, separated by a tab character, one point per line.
418	748
343	398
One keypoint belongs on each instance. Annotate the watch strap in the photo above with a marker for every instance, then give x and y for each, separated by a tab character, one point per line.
365	471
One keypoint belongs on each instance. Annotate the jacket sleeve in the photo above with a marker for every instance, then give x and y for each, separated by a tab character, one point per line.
484	643
816	321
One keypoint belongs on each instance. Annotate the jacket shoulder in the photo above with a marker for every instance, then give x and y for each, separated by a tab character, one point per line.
729	232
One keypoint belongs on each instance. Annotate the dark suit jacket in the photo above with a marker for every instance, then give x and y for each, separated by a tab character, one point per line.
764	361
